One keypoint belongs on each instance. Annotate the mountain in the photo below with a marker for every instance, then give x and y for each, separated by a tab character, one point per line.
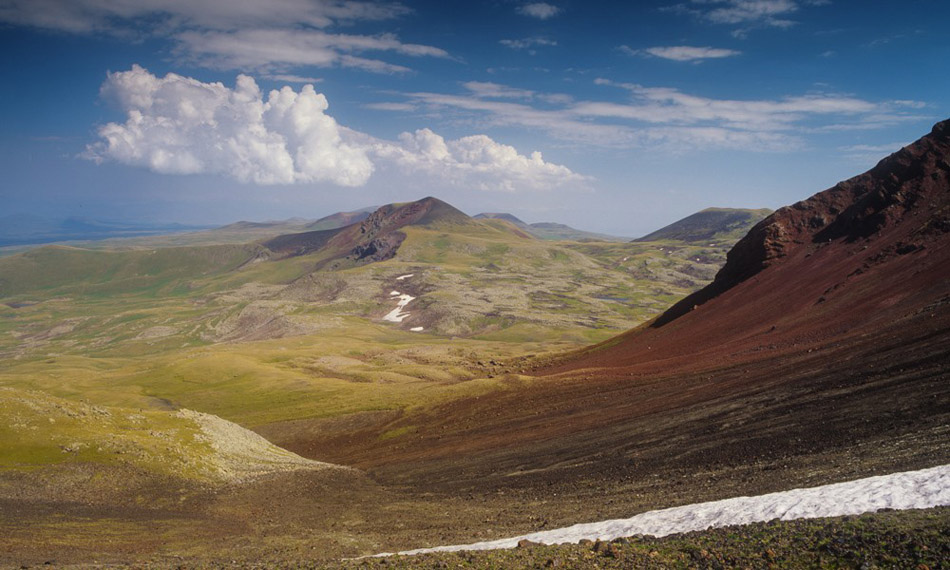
549	230
341	219
822	346
858	258
375	238
709	225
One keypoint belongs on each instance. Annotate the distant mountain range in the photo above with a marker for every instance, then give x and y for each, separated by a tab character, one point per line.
549	230
30	229
711	225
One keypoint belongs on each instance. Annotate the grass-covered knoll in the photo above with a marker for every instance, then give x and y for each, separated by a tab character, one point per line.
712	225
39	430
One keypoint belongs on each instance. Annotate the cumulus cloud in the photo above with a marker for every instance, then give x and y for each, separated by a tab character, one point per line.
180	125
265	35
690	53
539	10
476	162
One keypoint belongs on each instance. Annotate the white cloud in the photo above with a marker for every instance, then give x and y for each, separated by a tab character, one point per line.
290	78
747	13
690	53
660	117
391	106
870	153
476	162
527	43
266	35
540	10
497	91
262	49
179	125
88	16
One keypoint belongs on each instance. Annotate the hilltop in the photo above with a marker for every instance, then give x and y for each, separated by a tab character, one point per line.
709	225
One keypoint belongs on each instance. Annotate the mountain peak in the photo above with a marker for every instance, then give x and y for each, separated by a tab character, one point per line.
376	237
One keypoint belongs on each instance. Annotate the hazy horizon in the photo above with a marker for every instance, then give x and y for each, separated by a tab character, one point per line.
612	117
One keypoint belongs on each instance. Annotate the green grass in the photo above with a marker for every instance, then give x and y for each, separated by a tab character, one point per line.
255	343
39	430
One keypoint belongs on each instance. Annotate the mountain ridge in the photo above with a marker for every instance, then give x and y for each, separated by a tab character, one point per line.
709	224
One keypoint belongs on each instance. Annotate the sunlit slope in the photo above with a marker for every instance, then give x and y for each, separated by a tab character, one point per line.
40	430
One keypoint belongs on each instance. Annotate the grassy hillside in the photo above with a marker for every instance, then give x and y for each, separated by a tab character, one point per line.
111	343
710	225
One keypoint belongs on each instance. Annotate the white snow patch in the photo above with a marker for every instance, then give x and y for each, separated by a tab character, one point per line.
909	490
394	293
401	277
396	315
417	329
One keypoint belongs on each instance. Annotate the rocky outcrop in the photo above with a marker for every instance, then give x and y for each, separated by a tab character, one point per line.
375	238
902	203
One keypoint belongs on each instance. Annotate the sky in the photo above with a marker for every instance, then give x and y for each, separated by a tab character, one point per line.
616	117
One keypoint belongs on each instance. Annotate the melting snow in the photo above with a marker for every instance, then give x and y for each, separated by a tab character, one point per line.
401	277
909	490
417	329
396	315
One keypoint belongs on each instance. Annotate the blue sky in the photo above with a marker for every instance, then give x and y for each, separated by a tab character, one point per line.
609	116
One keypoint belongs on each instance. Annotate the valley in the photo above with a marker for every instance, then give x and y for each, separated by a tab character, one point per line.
420	377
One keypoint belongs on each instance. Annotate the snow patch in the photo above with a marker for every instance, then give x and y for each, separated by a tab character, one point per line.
417	329
909	490
401	277
396	315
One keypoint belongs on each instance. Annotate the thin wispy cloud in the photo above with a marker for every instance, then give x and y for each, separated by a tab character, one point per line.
539	10
180	125
497	91
253	35
747	14
870	153
527	43
652	116
265	49
690	54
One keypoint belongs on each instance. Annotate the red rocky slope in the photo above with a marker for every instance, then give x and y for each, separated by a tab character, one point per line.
845	262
